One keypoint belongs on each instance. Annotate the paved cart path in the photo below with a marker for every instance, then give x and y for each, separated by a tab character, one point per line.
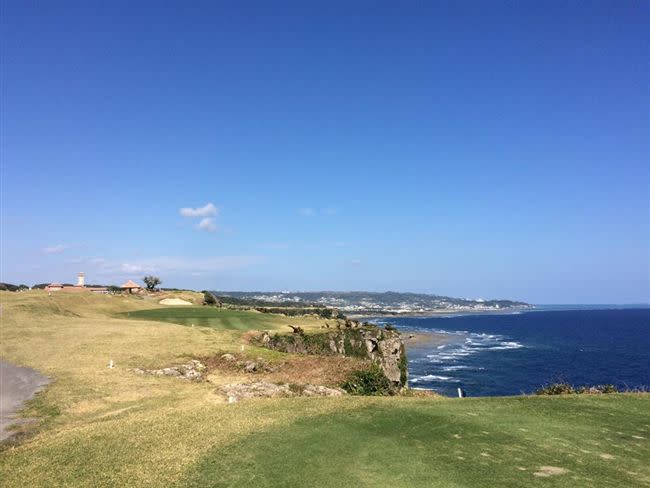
17	385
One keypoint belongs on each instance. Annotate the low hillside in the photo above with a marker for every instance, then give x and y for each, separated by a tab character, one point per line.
112	427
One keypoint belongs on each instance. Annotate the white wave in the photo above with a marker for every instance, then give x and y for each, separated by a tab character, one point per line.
433	377
506	345
459	367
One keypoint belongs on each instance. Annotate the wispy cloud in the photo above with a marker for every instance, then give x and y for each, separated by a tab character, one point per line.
207	210
182	265
164	265
274	245
207	215
310	212
355	262
208	223
306	211
59	248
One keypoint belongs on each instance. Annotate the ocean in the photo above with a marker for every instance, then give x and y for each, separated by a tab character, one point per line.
510	354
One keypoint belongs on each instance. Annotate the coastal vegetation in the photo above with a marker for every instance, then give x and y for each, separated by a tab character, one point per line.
109	426
568	389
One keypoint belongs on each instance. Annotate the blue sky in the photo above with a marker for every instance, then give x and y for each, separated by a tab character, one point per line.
493	149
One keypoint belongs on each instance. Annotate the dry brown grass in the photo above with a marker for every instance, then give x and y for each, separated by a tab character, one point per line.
147	429
284	368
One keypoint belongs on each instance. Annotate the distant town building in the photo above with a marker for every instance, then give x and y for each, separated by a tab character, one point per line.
132	287
80	286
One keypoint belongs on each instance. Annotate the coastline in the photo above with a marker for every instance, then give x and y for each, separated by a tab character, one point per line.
437	312
422	339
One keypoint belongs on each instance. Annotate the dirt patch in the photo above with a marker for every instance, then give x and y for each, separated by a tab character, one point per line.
606	456
318	370
547	471
239	391
192	371
174	301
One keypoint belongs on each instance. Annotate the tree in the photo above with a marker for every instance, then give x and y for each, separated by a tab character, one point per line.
151	282
210	299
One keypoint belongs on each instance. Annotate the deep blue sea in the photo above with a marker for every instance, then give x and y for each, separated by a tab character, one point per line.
509	354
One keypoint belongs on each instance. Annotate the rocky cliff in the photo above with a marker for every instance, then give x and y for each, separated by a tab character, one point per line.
381	346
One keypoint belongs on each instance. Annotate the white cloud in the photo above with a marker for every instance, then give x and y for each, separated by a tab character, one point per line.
274	245
207	210
310	212
182	265
59	248
165	265
133	268
208	224
355	262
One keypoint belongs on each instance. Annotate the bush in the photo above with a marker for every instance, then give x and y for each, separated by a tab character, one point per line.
555	389
371	381
567	389
209	299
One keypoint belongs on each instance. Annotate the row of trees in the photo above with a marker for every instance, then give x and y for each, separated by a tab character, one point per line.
10	287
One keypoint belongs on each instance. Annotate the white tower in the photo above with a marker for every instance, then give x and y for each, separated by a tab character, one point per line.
81	280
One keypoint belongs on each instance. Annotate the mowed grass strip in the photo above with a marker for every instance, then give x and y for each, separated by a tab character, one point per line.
219	319
399	442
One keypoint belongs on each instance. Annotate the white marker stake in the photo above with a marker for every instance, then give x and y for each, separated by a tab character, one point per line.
111	364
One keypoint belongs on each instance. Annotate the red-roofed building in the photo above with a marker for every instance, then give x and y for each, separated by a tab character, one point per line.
132	287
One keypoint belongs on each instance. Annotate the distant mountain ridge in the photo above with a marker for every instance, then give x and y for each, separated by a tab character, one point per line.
363	301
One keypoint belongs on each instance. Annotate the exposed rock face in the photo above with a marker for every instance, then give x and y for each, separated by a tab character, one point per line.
392	358
263	389
381	346
193	370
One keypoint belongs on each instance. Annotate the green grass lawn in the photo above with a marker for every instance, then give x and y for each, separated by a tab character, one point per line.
590	441
215	318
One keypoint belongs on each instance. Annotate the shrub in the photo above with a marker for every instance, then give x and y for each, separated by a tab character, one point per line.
607	389
390	327
371	381
567	389
555	389
209	299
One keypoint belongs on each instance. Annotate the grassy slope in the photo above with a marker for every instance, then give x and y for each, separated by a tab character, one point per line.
474	442
208	317
119	429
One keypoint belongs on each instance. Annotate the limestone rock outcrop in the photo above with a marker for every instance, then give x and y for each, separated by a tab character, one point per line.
382	346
